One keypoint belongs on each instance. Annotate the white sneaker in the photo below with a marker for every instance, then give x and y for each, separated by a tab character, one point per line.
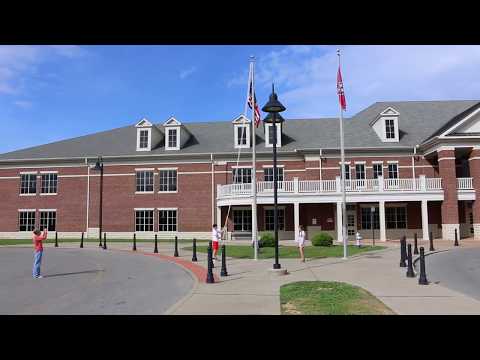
39	277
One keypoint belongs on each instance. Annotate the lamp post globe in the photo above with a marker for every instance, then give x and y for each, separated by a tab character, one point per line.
273	107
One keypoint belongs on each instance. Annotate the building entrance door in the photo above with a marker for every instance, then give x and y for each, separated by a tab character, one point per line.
351	222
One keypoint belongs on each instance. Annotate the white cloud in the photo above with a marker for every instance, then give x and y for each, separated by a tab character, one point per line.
305	77
19	61
23	104
187	72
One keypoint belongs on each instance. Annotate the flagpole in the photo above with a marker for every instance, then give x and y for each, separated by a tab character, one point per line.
254	167
342	174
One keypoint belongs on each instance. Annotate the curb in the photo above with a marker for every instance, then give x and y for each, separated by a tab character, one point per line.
428	254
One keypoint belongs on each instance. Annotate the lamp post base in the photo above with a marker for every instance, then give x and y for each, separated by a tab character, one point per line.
276	266
278	272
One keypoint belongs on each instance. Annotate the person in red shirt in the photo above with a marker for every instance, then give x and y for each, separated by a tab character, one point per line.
38	238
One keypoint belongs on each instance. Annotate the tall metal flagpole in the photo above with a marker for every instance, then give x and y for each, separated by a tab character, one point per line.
254	168
342	174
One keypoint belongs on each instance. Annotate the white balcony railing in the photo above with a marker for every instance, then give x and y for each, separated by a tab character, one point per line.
465	183
421	184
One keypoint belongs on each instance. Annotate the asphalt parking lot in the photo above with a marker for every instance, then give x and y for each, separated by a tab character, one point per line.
89	281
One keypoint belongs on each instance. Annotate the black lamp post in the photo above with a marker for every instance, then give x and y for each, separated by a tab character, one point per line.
273	107
99	167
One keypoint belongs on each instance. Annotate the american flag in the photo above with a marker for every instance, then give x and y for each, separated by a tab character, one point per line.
257	110
340	91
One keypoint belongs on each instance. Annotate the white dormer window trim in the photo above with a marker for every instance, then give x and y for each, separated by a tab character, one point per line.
144	126
388	120
267	135
167	138
246	135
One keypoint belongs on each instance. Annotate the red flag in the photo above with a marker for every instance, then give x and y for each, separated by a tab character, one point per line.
257	110
340	91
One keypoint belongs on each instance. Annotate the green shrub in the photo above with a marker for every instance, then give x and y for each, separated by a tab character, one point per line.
322	239
267	240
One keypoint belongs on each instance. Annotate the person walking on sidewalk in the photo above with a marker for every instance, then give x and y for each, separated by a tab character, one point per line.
300	240
38	238
216	237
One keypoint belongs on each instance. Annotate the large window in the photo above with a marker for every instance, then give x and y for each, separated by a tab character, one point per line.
268	174
28	183
144	220
396	217
144	180
360	171
393	171
168	180
172	138
377	170
167	220
143	141
389	128
242	175
26	220
242	220
269	219
49	183
269	134
241	135
367	218
48	219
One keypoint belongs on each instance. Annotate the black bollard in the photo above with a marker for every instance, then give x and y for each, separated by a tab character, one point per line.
104	241
210	279
134	242
422	280
100	243
410	272
403	251
211	258
194	256
415	249
81	241
456	238
176	247
431	242
56	239
223	272
156	245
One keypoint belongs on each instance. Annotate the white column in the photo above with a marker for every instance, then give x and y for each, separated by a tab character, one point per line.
381	214
424	220
339	221
296	217
295	185
338	184
219	217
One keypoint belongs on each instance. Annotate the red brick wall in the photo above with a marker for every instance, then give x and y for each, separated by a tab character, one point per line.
448	175
474	164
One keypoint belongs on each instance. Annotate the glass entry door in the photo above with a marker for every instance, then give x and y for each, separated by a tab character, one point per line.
242	220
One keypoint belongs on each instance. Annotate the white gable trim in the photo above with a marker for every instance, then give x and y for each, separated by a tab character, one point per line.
144	123
241	120
389	111
459	124
172	122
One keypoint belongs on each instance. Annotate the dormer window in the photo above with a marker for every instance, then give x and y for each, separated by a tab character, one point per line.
269	135
172	134
144	135
386	125
241	132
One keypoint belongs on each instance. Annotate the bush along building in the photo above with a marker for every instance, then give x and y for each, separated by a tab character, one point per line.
416	163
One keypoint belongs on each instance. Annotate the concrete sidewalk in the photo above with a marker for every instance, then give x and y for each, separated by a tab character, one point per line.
251	288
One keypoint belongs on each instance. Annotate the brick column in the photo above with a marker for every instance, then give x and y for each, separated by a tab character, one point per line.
474	163
446	165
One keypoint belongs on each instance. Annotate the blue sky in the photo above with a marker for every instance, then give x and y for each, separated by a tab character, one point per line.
50	93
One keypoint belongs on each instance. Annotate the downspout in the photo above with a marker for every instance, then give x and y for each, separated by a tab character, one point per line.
320	164
88	193
213	189
413	161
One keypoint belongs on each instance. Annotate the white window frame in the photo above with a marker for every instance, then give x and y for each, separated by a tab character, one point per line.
247	135
236	168
159	177
280	168
395	124
153	219
374	163
388	169
41	183
34	219
153	177
362	163
176	224
36	183
267	136
265	208
349	169
149	130
40	211
167	133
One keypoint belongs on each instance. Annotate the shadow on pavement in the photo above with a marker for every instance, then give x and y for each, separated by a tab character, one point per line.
74	273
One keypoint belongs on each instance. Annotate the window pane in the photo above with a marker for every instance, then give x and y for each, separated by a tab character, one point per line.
392	171
26	220
144	220
143	139
269	219
168	180
377	170
241	135
28	184
360	171
172	138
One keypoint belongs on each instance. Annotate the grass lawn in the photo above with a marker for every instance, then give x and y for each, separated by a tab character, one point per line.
60	241
312	252
329	298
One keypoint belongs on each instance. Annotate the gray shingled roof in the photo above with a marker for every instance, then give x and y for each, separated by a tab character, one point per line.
418	121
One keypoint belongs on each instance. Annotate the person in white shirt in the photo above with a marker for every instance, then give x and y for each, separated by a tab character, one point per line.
300	240
216	237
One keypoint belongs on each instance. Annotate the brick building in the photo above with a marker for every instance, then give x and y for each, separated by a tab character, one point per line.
416	163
